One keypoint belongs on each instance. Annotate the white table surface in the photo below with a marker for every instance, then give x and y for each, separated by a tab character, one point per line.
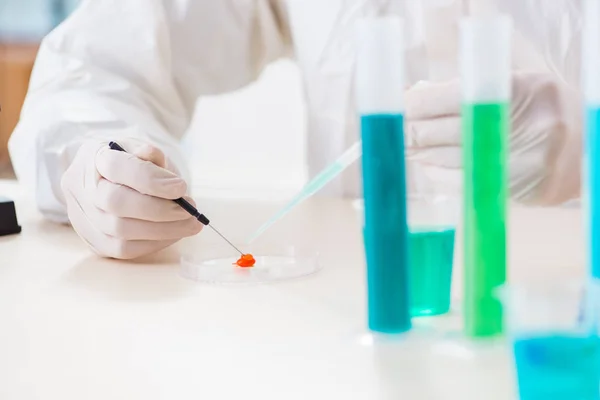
75	327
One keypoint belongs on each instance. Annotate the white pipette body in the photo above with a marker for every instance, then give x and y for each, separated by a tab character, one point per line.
317	183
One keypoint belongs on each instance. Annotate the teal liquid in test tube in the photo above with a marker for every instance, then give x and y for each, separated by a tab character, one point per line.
379	93
431	253
591	168
486	82
432	225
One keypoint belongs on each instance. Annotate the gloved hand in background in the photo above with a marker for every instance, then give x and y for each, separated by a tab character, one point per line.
545	139
120	203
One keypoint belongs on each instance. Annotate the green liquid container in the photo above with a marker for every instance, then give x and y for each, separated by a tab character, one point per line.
431	254
484	138
486	92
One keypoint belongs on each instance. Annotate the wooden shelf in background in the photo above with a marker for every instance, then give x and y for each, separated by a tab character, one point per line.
16	64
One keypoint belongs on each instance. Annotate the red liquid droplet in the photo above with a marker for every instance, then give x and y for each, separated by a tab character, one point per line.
246	261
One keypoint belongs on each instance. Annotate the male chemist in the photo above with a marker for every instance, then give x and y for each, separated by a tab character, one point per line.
132	71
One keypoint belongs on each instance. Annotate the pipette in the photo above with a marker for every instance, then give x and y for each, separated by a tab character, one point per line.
183	203
312	187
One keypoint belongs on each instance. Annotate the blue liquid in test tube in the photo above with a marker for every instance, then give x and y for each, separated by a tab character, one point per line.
379	93
591	167
592	156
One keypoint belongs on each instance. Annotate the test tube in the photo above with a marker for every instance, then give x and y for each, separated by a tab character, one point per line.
379	93
591	173
486	84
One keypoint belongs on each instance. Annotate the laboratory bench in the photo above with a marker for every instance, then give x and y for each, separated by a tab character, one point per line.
74	326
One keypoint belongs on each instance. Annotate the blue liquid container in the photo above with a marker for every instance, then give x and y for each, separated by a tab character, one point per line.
592	187
558	367
385	223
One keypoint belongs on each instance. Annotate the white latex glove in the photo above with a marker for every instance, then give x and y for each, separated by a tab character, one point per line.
120	203
545	139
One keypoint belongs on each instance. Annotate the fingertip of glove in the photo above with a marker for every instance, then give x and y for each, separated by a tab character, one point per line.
195	228
152	154
174	188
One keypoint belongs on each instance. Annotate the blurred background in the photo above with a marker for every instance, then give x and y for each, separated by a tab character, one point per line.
225	159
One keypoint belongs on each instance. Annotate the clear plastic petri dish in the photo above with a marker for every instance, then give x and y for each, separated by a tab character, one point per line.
217	264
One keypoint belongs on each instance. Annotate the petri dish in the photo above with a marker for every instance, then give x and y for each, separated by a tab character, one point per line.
216	265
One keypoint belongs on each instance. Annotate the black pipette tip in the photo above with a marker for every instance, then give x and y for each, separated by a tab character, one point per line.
192	210
115	146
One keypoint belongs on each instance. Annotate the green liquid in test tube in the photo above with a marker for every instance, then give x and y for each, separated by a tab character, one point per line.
484	128
486	84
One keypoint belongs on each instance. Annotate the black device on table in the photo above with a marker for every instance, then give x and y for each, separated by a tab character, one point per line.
8	217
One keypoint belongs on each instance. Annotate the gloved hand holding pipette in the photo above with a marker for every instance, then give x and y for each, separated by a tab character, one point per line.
121	204
545	140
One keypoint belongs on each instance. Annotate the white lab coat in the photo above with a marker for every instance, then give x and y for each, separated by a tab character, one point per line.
137	68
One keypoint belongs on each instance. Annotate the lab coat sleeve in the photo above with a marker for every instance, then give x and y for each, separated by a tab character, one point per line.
553	29
132	68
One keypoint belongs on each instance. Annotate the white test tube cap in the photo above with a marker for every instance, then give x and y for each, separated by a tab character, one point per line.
379	75
485	58
591	52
